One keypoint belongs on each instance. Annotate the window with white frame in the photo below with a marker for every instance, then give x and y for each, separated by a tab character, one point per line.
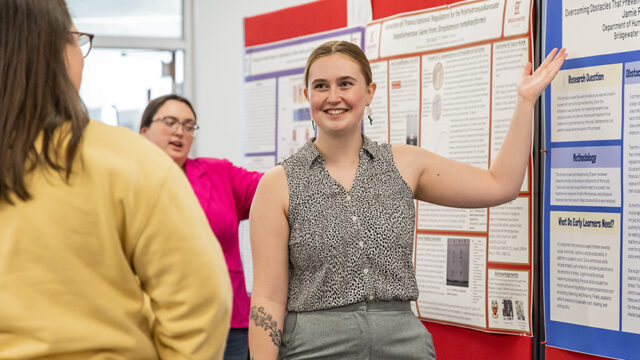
141	50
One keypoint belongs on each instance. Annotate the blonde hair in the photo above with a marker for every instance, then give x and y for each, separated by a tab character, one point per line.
340	47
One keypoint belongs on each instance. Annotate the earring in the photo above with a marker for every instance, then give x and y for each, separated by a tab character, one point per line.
369	115
313	125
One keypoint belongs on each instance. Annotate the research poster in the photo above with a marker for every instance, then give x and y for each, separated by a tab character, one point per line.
446	81
592	178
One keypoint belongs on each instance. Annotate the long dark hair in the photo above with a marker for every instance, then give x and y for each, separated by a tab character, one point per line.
36	94
155	105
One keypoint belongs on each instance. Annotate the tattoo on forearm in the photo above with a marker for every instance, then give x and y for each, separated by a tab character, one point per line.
265	321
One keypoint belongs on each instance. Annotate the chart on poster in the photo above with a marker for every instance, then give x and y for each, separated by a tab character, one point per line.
592	179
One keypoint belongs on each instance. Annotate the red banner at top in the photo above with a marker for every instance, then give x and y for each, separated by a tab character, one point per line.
305	19
385	8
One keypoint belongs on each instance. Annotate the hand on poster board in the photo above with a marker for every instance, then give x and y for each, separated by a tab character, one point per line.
447	182
532	85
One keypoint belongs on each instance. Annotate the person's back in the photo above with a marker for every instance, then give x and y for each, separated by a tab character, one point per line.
69	259
92	217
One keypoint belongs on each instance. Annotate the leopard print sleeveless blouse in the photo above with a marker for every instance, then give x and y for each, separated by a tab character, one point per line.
349	246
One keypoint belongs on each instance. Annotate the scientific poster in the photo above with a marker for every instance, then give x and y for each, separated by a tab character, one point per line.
592	179
447	81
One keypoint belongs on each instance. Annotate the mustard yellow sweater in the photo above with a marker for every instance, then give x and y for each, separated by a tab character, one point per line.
71	257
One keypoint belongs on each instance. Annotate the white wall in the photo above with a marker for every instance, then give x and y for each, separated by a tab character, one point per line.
218	72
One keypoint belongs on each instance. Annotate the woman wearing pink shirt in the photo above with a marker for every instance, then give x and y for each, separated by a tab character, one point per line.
225	193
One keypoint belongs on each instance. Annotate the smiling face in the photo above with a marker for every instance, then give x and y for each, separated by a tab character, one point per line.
338	93
174	141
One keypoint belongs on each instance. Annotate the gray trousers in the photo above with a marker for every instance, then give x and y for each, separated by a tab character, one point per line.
383	330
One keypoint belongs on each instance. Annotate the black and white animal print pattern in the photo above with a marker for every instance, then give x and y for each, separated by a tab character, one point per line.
349	246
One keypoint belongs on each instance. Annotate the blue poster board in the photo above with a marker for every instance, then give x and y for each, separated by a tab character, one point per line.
591	210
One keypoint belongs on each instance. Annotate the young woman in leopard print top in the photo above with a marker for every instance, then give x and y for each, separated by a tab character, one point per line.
331	226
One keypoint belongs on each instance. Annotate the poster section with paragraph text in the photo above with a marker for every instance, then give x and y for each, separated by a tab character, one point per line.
447	82
592	178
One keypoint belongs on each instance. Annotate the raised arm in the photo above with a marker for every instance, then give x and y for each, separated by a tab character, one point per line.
443	181
269	247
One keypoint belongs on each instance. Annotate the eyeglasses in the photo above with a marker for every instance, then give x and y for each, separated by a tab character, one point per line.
172	123
85	41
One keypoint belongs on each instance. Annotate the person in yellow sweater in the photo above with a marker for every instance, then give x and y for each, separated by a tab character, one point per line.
92	217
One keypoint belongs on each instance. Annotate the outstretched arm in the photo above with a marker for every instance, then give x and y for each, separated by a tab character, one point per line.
448	182
269	246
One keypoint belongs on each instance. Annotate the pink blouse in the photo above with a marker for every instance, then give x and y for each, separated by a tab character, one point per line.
225	192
